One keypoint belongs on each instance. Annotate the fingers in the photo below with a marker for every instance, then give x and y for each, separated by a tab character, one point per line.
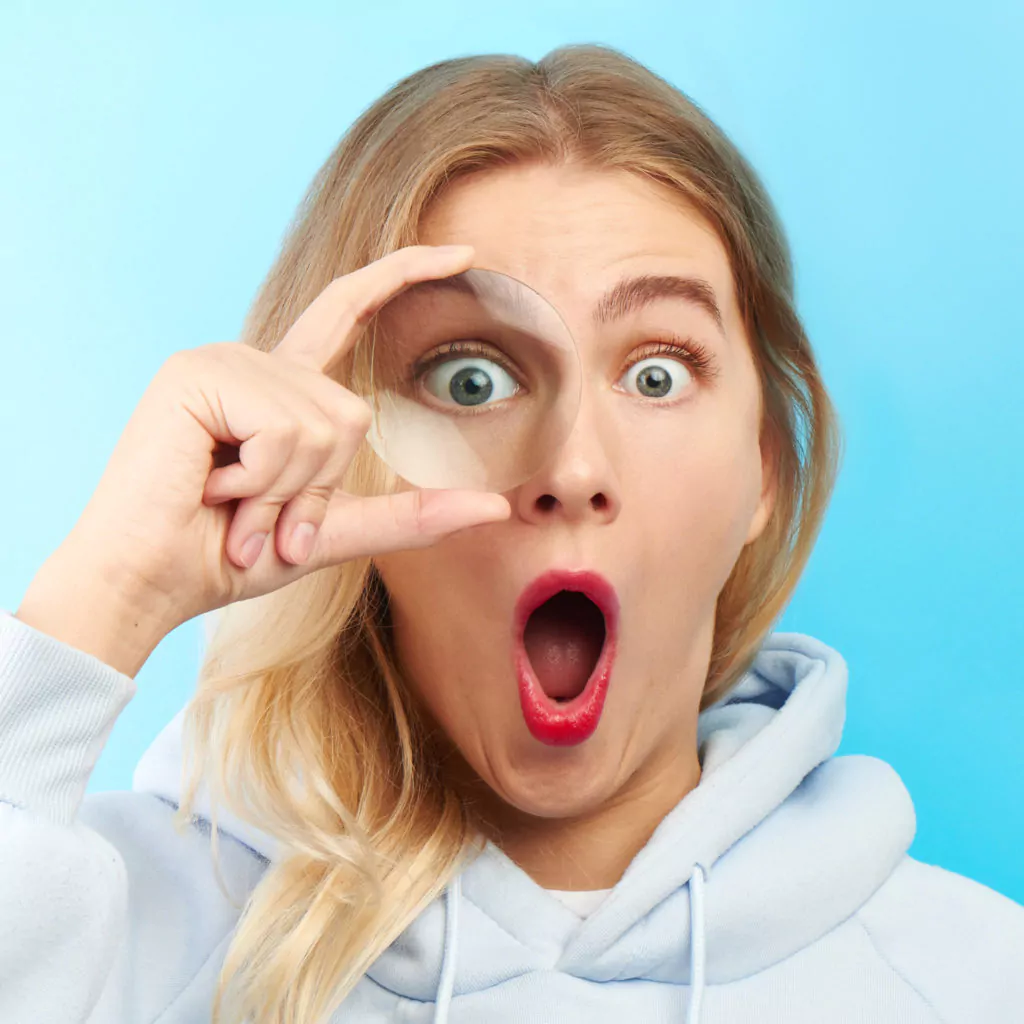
292	462
328	327
288	469
356	526
297	430
300	516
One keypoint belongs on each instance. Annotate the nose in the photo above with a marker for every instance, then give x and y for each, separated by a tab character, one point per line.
579	482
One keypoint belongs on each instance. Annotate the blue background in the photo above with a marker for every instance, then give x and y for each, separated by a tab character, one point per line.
151	159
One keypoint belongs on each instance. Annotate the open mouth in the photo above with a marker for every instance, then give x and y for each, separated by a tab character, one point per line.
566	625
563	640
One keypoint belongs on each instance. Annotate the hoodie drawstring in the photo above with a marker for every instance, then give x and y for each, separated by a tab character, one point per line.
698	952
453	893
446	985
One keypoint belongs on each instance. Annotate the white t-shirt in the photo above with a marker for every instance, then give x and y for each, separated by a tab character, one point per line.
583	902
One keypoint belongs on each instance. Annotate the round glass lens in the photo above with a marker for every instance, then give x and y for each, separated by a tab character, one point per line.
474	381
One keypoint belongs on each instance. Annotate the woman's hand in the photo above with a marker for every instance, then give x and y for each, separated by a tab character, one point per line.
160	523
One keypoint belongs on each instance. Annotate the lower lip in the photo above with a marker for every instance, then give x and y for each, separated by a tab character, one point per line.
566	723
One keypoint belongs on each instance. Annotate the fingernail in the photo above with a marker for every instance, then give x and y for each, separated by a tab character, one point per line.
451	250
302	541
251	549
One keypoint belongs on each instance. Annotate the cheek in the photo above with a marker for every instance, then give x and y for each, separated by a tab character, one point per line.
429	620
693	499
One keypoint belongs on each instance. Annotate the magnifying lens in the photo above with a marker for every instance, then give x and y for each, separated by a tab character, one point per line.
474	381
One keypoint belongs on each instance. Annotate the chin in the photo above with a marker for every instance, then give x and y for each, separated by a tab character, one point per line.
565	790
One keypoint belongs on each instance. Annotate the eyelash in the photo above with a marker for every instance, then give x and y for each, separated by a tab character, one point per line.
462	348
693	353
696	356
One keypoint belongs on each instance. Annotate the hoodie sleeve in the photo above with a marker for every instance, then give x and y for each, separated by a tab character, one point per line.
959	943
108	913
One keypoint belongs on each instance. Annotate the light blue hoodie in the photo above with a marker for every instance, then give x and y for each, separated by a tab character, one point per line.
779	890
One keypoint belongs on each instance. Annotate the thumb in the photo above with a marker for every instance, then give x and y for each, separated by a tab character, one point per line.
355	526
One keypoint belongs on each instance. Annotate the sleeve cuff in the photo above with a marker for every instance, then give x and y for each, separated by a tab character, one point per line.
57	707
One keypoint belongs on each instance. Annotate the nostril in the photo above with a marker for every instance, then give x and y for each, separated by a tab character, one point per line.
546	502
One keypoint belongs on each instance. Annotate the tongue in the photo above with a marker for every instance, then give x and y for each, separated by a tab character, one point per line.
563	641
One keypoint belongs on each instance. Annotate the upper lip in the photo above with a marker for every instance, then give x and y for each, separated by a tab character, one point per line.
583	581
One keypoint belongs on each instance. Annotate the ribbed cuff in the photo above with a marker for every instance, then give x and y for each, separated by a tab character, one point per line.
57	707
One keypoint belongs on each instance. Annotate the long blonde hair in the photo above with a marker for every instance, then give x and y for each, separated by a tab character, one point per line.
305	725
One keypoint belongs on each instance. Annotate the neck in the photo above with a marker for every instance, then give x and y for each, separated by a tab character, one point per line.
591	850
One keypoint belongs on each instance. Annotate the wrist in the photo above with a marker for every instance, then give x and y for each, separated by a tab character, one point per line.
97	609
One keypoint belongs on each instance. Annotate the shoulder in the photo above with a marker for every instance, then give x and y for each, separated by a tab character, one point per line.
959	943
177	915
140	826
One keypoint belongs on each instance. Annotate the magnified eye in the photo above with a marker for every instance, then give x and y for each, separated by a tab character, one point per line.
659	377
469	382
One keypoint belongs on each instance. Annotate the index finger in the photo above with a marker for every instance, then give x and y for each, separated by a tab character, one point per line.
329	325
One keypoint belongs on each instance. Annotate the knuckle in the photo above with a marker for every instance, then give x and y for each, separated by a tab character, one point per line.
181	362
284	432
308	507
259	475
339	293
320	436
314	499
418	513
350	312
338	284
256	514
262	465
217	351
188	363
348	305
266	508
358	415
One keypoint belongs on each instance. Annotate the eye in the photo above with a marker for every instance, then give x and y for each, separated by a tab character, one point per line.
469	381
657	377
663	369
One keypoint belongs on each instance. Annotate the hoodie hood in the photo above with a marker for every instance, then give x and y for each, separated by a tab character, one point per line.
779	842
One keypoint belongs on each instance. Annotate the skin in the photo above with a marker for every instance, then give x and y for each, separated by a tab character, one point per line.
659	498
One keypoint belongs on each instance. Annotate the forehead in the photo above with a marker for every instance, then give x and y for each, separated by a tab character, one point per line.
571	232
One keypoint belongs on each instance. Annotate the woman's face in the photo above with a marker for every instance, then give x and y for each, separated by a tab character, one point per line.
657	495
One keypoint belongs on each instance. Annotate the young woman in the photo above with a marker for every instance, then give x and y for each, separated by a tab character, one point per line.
525	756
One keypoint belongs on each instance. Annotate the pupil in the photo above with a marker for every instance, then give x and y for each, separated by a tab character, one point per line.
657	380
472	385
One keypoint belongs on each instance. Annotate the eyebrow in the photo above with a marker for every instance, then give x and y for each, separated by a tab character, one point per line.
628	296
512	296
633	293
505	293
444	284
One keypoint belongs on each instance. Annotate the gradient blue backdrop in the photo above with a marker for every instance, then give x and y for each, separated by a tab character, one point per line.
149	163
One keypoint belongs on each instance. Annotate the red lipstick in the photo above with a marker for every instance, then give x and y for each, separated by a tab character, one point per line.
554	722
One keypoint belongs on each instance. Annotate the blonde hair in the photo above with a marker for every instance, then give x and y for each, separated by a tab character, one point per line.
308	728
